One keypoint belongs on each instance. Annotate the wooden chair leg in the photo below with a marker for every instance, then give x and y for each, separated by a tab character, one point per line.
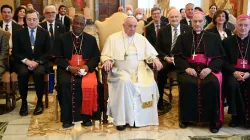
105	116
46	94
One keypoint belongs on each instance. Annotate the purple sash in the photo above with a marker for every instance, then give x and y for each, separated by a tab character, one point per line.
242	64
201	58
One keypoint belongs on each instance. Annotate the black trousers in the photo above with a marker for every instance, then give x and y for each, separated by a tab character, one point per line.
23	79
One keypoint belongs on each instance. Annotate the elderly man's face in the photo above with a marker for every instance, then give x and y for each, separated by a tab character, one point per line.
156	15
50	14
130	26
198	22
78	25
32	20
242	27
189	11
174	18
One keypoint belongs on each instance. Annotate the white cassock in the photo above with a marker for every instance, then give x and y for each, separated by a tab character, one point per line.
133	92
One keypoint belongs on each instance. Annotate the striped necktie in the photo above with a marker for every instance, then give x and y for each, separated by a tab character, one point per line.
175	38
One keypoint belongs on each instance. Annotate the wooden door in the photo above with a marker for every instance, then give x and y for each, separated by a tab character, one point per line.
107	8
38	4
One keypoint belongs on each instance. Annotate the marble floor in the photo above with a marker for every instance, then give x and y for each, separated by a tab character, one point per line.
44	127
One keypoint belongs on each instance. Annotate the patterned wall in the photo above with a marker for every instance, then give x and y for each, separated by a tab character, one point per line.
235	6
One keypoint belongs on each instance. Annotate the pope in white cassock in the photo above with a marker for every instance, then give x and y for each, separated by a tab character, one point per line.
133	93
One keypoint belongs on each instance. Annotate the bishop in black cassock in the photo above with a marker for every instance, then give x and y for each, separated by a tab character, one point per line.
236	73
198	59
70	82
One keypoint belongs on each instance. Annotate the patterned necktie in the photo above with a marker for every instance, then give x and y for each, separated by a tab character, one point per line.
51	30
175	38
6	27
157	29
32	39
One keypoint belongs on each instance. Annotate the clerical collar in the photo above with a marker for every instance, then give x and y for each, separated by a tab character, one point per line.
242	38
76	36
197	33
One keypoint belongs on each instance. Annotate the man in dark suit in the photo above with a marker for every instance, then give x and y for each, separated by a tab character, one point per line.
153	28
165	42
61	16
56	29
189	10
8	25
31	50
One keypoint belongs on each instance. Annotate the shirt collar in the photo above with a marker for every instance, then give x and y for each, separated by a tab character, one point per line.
9	24
31	29
48	23
61	16
178	28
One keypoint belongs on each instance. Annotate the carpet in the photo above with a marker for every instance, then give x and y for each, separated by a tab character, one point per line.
221	137
3	126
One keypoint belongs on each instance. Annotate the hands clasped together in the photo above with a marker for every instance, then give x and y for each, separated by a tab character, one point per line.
241	76
203	74
31	64
78	71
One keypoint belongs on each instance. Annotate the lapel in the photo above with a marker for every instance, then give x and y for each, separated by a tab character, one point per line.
37	39
153	31
27	36
1	24
56	33
169	39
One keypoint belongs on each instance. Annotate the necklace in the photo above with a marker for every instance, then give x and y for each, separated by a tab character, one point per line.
197	44
241	54
78	52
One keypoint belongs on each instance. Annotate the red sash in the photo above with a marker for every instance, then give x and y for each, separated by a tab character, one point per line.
89	87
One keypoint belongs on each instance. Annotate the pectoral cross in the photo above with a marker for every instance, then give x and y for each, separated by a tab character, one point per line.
193	55
243	63
78	60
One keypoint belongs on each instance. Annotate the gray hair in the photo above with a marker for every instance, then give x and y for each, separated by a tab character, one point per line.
128	17
49	6
81	16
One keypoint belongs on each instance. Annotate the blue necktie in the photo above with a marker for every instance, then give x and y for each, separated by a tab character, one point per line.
32	39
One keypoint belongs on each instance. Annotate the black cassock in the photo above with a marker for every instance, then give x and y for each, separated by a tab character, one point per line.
199	99
238	93
69	86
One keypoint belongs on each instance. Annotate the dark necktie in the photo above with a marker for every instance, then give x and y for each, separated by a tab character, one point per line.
6	27
51	30
190	23
157	29
175	38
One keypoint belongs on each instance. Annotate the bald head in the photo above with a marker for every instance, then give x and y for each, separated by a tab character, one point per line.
174	17
129	25
171	8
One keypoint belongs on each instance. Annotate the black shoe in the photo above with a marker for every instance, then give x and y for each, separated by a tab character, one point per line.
24	109
214	128
233	123
183	124
121	127
38	110
67	124
86	123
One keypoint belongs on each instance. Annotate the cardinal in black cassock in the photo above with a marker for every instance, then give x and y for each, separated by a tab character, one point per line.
77	57
236	73
198	63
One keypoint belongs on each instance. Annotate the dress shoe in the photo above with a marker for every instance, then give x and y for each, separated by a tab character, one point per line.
67	124
183	124
120	127
24	109
233	123
38	110
214	128
86	123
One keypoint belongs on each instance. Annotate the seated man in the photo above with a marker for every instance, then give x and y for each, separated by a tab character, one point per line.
4	49
31	48
77	57
133	93
165	42
236	67
198	61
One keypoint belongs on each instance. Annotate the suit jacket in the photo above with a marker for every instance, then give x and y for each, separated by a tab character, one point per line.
163	19
59	30
184	21
4	51
22	46
15	27
151	34
164	39
214	30
66	22
90	51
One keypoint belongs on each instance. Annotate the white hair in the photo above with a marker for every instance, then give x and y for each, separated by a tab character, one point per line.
49	6
129	17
